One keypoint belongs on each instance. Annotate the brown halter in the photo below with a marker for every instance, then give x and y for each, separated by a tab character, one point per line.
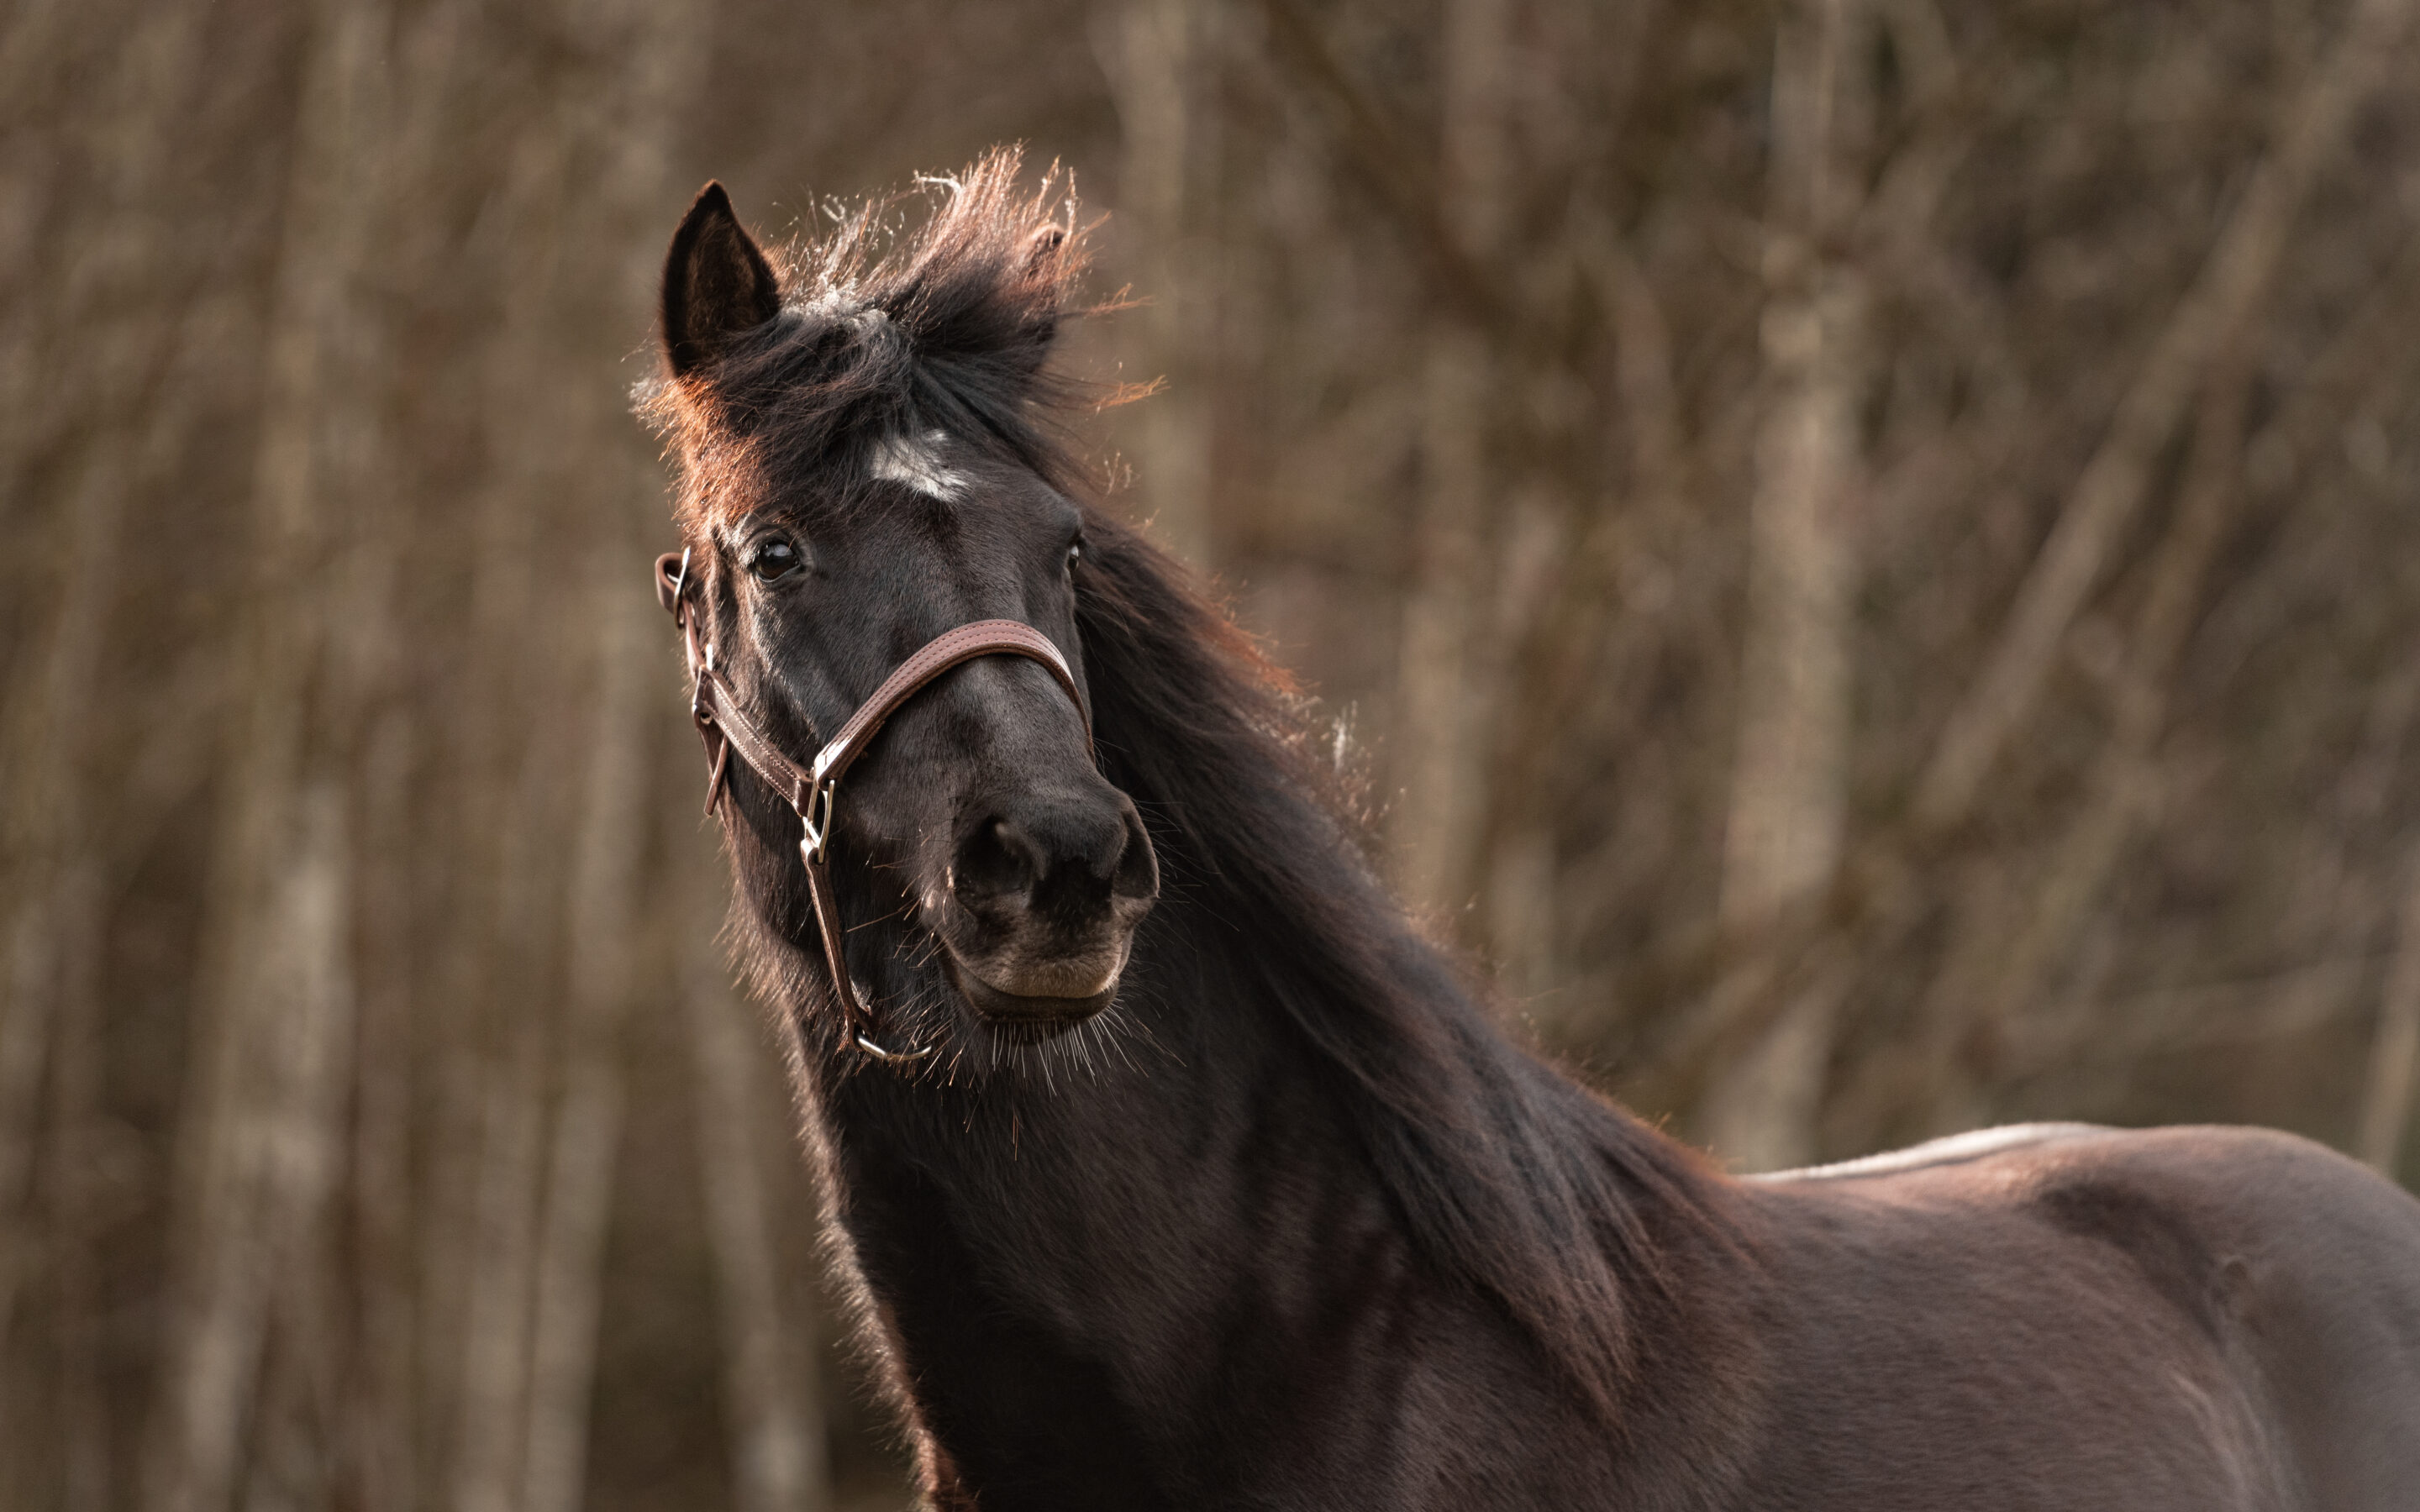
811	791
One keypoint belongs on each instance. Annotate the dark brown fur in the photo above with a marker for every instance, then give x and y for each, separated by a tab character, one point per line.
1295	1225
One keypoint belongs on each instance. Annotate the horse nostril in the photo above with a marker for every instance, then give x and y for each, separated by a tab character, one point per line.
1069	861
1137	869
996	860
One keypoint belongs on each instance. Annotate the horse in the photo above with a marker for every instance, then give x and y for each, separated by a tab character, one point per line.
1169	1166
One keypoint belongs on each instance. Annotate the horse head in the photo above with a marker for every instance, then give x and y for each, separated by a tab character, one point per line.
862	477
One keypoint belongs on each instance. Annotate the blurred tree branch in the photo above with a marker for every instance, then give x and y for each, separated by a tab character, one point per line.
2216	313
1876	899
1392	169
1788	809
257	1156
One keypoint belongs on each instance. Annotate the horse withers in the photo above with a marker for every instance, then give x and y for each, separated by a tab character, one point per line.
1170	1167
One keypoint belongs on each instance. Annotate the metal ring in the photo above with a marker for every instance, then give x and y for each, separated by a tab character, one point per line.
894	1057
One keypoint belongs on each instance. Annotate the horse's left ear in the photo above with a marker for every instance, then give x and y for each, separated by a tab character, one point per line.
717	283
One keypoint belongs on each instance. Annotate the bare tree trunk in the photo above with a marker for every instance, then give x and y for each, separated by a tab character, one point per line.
668	67
588	1117
1445	655
492	1402
372	1420
265	1166
261	1149
1790	778
110	311
1557	597
2394	1045
570	1254
774	1408
533	1082
2351	902
81	1400
379	1437
1155	59
25	1050
518	739
553	1099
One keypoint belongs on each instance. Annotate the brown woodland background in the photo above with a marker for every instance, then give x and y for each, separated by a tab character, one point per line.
1870	550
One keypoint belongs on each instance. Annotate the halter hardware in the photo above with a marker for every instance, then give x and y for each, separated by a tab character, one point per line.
813	790
814	832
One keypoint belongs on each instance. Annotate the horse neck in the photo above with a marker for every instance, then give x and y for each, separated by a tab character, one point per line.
1178	1276
1065	1248
1305	1149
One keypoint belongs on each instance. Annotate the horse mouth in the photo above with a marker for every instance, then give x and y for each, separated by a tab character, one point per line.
1024	1018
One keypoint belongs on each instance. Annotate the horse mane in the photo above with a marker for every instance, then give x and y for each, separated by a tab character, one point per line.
1511	1179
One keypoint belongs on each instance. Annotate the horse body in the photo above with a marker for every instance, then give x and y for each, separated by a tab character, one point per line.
2112	1322
1181	1172
1230	1314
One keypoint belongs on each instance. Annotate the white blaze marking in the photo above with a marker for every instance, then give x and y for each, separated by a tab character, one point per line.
916	462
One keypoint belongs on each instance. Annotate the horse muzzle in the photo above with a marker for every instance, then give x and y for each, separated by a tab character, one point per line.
1038	910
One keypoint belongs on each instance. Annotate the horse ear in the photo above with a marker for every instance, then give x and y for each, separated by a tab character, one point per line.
717	283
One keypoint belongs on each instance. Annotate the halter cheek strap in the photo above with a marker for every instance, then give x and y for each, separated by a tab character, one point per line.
813	790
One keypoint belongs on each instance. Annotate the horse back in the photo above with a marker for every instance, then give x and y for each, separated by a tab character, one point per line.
2075	1316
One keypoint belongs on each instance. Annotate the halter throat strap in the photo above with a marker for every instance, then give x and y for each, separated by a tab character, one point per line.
813	790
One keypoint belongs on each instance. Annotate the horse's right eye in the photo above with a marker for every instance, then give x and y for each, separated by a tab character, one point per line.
774	560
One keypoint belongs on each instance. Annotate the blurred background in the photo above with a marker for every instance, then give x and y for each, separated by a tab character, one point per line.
1869	551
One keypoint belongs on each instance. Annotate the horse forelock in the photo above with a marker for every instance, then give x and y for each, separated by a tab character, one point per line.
894	326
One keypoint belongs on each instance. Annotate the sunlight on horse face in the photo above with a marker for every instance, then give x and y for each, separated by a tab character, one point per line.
1027	866
844	526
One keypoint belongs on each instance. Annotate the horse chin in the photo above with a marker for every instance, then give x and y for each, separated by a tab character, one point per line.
1023	1019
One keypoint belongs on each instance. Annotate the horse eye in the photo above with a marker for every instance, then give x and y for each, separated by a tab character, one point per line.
1075	549
774	560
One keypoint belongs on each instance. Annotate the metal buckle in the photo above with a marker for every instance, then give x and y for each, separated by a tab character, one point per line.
819	801
715	776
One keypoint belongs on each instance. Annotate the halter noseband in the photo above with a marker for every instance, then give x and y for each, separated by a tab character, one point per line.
811	791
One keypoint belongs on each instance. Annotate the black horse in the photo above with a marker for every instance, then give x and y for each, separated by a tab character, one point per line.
1172	1169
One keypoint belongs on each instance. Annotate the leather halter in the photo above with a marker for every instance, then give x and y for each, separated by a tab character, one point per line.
811	791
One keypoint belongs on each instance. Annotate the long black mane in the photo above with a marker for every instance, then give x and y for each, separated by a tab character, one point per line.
1508	1176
